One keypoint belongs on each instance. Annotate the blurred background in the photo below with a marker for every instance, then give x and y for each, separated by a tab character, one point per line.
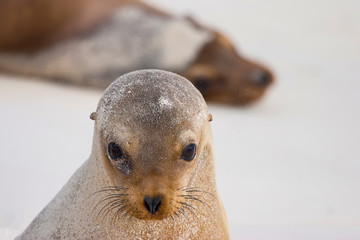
288	167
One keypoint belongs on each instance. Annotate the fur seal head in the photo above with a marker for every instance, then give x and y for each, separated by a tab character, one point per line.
152	127
222	75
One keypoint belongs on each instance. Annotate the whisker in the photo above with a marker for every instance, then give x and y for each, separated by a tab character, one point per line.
200	191
109	211
182	211
110	206
109	188
111	203
114	195
176	214
191	197
184	203
127	213
115	187
108	197
188	207
172	218
116	214
187	188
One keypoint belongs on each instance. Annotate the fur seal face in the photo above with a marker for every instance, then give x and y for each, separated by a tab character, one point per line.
152	126
222	75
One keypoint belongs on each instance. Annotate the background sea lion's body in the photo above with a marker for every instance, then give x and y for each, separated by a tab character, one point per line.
131	39
166	106
91	42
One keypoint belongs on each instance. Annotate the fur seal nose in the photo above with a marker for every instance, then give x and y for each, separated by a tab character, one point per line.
152	204
261	78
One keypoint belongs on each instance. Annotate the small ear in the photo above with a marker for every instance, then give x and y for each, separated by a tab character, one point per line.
93	116
210	117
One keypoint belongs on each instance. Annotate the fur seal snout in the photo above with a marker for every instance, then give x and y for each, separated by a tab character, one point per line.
151	171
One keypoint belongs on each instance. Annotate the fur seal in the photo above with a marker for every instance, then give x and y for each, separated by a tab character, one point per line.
91	42
150	174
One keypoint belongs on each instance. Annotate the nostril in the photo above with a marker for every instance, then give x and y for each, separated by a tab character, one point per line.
261	78
148	204
152	204
156	203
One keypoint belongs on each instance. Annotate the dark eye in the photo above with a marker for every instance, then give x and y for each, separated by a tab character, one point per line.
115	151
189	152
202	83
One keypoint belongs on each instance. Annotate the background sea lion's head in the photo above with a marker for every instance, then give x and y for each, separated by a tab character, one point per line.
153	128
222	75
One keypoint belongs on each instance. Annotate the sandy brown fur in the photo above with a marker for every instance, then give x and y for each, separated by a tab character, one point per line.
31	25
218	71
102	201
222	75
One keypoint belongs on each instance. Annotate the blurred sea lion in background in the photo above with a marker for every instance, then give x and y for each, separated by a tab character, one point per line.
91	42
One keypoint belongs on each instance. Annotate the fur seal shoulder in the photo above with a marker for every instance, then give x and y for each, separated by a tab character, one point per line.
150	174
